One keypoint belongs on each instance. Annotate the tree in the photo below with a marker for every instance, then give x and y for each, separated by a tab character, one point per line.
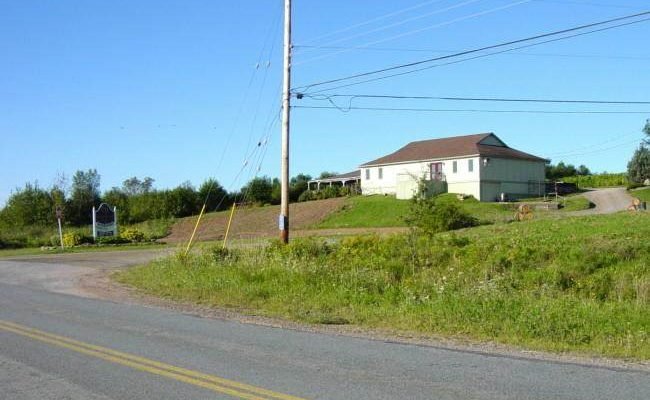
561	170
583	170
258	190
327	174
638	169
30	205
297	186
214	195
117	198
85	195
646	130
181	201
134	186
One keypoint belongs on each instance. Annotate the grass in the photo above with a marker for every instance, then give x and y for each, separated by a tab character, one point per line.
566	285
576	203
368	212
642	194
32	251
387	211
598	180
37	236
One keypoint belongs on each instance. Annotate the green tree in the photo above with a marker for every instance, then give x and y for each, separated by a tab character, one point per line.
638	169
181	201
117	198
297	186
30	205
259	190
214	195
134	186
85	195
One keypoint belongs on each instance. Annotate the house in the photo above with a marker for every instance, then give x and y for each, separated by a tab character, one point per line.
481	165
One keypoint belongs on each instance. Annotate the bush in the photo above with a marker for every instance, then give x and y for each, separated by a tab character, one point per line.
71	239
435	214
132	235
112	240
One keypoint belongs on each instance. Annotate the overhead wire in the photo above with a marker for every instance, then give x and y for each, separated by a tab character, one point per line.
478	56
404	21
514	53
471	110
484	48
434	26
370	21
325	96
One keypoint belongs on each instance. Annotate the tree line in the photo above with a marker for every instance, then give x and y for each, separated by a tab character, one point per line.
137	200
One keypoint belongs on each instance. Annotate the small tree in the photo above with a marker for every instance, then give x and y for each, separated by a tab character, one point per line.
638	169
431	215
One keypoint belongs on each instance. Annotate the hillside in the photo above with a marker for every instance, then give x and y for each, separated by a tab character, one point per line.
253	221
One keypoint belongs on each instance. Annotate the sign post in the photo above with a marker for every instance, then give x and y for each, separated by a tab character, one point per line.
59	216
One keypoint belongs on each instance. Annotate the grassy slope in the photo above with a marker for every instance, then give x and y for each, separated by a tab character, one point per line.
386	211
368	211
642	194
573	284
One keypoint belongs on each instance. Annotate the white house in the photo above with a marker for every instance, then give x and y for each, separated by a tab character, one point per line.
480	165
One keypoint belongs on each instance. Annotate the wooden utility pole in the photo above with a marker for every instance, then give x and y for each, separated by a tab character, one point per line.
286	110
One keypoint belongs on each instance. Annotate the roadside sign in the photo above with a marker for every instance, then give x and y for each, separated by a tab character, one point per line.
104	221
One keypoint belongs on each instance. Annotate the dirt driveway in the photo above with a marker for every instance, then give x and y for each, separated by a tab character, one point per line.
607	201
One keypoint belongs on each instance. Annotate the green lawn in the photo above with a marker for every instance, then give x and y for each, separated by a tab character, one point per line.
368	212
642	194
387	211
32	251
578	284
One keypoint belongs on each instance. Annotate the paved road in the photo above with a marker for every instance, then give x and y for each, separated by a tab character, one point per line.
63	346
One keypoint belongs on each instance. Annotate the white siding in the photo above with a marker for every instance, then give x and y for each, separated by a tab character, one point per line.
462	181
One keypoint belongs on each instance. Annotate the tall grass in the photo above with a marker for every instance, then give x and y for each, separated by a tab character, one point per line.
562	285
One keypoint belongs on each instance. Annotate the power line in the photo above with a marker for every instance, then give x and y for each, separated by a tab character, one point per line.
491	99
580	3
422	50
436	25
482	55
404	21
601	150
367	22
334	107
583	148
466	52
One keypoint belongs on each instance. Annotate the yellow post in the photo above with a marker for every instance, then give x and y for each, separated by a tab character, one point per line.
198	220
232	213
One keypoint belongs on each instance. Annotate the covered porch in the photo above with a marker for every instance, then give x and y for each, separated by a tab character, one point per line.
350	179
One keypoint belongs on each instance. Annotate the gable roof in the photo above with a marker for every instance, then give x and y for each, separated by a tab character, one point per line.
457	146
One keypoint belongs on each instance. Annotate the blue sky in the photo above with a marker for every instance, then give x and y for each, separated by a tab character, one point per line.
185	90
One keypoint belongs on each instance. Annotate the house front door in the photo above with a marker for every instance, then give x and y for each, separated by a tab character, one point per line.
436	171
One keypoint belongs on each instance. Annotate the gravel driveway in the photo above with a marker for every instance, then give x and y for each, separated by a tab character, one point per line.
607	201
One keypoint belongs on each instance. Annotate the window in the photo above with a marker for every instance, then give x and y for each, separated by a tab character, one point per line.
380	173
455	166
367	173
470	165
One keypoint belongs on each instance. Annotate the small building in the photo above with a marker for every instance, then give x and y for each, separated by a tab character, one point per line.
349	179
481	165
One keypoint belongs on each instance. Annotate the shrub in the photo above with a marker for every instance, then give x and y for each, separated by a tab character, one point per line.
112	240
71	239
132	235
435	214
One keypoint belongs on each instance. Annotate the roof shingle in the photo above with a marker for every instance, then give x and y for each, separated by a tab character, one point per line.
457	146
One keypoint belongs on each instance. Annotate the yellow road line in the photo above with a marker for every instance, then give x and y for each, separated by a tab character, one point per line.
211	382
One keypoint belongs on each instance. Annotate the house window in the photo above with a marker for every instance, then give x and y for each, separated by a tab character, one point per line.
367	173
470	165
380	173
455	166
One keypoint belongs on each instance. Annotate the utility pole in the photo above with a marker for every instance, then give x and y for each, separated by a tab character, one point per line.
286	104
